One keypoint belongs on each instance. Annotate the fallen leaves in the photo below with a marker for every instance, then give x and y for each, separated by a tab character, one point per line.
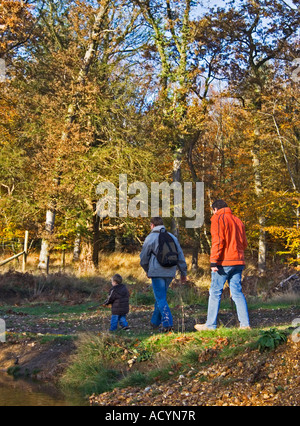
184	339
249	379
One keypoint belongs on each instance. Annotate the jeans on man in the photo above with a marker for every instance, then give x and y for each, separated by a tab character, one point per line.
232	274
162	314
116	319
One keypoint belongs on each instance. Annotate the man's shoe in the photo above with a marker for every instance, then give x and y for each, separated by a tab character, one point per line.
202	327
245	328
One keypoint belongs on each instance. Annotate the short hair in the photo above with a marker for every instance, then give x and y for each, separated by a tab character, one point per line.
117	278
157	221
219	204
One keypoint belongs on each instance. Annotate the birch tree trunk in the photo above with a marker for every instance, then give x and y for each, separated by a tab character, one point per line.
77	246
70	118
45	249
262	248
177	163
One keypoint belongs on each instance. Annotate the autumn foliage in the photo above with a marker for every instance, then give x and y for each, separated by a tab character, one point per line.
161	91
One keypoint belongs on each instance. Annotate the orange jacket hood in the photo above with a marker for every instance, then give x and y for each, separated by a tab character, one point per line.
229	240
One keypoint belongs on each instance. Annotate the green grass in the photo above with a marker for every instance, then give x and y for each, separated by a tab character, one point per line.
101	361
49	309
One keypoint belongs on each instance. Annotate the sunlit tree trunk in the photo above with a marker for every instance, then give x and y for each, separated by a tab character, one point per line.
262	248
77	247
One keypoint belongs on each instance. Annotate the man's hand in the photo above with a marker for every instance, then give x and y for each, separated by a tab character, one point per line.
214	269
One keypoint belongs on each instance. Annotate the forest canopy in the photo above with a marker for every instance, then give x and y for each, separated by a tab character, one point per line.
163	91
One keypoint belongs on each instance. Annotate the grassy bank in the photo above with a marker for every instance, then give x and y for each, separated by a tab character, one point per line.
104	362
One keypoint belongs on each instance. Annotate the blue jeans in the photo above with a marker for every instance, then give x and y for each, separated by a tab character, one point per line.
232	274
116	319
162	314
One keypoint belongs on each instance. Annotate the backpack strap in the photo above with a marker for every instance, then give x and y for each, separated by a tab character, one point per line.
156	232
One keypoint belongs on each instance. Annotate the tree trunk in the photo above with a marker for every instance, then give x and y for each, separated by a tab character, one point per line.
118	242
45	248
96	239
262	249
77	247
177	178
44	256
195	251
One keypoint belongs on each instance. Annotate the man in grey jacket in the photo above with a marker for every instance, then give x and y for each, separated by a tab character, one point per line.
161	276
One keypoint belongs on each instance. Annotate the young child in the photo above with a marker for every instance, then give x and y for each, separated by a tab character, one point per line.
119	301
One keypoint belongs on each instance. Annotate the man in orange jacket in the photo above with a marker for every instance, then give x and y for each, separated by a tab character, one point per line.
227	264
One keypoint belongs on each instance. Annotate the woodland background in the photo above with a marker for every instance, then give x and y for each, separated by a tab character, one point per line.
162	91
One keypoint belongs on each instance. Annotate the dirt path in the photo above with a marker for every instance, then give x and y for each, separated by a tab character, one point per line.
29	351
98	320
